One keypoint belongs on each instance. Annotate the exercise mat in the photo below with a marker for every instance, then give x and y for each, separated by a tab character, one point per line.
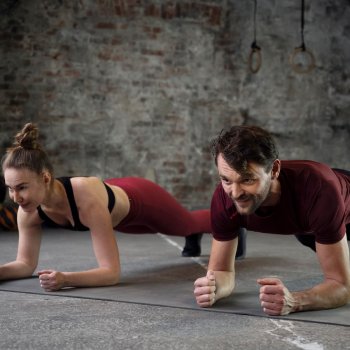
154	273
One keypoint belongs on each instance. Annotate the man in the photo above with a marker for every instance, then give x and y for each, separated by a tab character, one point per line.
264	194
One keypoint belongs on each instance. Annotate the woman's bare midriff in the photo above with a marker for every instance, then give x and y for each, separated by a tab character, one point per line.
122	205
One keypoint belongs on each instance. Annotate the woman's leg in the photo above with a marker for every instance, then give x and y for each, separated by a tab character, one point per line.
156	210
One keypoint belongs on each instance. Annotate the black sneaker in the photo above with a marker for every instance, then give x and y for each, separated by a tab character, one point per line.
193	245
241	248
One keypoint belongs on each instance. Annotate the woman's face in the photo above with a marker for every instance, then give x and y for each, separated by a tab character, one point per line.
26	188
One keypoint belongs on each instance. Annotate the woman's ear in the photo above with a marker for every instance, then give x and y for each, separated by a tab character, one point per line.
46	177
276	168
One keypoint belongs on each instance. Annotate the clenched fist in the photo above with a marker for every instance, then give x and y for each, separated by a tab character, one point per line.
275	298
204	290
51	280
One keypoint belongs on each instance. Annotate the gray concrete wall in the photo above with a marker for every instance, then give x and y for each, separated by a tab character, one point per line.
132	87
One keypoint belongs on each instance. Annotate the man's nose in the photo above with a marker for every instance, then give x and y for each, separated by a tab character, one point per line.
235	191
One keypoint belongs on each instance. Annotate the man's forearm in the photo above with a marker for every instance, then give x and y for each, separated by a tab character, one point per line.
327	295
225	283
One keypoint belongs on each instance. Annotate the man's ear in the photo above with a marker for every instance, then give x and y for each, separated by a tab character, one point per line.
276	168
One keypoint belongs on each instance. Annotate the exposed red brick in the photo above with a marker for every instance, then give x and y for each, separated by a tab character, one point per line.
105	55
152	52
152	10
52	74
215	15
116	41
105	25
169	10
72	73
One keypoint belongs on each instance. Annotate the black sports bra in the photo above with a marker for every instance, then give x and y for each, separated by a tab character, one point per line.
78	226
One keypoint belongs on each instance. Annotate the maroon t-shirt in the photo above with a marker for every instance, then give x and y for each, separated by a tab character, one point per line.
314	200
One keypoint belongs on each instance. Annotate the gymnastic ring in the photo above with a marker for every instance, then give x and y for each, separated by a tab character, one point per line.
298	68
255	51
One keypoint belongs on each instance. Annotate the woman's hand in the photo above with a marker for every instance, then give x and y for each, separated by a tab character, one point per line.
51	280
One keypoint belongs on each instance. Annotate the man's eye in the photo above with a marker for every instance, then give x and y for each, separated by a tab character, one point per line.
225	181
248	181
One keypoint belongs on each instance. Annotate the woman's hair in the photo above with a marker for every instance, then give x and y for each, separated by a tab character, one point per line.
243	144
27	153
3	190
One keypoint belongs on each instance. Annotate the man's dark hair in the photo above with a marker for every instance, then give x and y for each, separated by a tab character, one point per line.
243	144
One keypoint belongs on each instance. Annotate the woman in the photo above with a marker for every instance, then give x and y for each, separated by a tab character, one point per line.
131	205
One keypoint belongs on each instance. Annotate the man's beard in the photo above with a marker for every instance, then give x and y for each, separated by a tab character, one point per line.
255	200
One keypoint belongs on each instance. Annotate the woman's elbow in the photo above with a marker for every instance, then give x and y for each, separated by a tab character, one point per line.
113	278
28	267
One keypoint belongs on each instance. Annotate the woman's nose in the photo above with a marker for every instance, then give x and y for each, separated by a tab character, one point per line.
16	197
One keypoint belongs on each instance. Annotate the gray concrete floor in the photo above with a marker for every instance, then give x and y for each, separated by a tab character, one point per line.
30	321
48	322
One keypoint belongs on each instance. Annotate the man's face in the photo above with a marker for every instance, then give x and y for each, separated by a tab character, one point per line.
249	190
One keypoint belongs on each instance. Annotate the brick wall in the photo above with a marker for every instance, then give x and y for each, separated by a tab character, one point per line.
132	87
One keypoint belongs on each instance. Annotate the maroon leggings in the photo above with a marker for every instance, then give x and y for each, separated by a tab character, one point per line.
152	210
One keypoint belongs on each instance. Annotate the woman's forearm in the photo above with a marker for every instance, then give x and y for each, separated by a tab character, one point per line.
91	278
15	269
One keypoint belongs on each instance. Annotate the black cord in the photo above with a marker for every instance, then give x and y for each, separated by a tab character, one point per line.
302	25
254	45
305	68
254	60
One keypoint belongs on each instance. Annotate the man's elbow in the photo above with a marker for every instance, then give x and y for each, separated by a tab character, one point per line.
341	295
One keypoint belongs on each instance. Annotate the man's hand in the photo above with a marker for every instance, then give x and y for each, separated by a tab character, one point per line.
275	298
51	280
204	290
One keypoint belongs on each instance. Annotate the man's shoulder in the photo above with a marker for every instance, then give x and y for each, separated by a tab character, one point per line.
308	180
306	169
304	164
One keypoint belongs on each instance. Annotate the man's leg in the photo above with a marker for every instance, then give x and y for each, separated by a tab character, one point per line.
241	248
193	245
307	240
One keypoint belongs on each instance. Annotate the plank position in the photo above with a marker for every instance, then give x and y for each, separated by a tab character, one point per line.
131	205
262	193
